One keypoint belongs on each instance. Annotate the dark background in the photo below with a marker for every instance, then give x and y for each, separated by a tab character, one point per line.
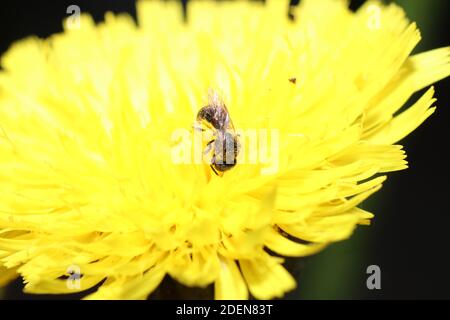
408	238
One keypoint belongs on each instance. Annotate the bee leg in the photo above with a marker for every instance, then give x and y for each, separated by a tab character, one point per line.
208	147
198	128
215	171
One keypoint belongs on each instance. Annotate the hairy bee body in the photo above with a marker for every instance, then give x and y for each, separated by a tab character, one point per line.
225	145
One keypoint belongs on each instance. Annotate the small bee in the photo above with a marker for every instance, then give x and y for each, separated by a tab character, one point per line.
225	145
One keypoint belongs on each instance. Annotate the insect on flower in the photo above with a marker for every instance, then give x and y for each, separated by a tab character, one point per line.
224	145
103	193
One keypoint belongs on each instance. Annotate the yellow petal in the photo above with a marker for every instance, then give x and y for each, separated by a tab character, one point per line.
281	245
266	277
7	275
230	284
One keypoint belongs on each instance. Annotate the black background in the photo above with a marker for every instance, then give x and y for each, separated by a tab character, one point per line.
409	237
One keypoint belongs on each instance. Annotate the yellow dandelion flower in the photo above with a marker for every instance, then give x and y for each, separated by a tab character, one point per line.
89	140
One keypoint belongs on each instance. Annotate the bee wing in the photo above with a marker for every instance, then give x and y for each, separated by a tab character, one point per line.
214	99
